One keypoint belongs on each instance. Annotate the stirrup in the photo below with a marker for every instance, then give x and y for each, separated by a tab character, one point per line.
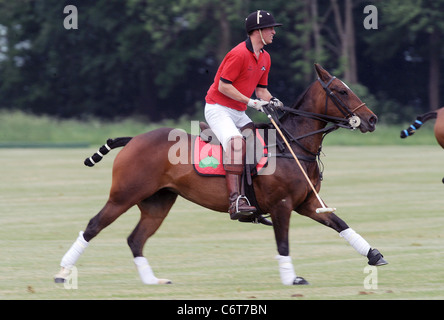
237	202
239	214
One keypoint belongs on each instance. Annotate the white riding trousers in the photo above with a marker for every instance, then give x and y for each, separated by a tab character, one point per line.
225	122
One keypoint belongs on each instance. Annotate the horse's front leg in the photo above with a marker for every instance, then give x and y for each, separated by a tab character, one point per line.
375	258
281	221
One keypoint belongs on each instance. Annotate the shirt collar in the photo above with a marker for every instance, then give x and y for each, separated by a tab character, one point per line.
250	45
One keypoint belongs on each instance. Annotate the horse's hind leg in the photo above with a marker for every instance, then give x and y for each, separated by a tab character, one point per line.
153	211
331	220
110	212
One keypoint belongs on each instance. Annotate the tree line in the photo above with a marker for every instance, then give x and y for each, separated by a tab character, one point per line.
157	58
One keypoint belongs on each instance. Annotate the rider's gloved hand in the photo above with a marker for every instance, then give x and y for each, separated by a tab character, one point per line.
275	102
257	104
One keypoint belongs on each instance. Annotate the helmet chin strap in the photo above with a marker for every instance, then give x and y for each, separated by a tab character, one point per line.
262	38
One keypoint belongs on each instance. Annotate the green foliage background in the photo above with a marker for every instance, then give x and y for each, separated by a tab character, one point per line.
156	59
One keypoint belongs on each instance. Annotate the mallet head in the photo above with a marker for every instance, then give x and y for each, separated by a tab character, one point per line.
325	210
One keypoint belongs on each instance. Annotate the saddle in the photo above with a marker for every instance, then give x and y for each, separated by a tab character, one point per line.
208	160
208	153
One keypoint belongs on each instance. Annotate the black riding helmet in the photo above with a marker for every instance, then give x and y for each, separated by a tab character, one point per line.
260	19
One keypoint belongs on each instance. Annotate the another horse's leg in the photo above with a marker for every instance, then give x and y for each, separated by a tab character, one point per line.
281	221
153	211
375	258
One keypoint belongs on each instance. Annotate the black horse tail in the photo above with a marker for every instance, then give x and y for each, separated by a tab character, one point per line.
420	120
107	147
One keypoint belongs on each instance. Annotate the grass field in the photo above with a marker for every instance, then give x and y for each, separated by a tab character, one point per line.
391	195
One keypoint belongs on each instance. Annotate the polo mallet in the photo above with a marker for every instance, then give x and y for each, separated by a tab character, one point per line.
324	209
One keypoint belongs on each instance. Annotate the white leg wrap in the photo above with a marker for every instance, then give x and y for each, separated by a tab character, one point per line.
74	253
286	270
145	271
356	241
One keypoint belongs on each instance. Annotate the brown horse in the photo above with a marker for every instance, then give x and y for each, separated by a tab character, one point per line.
144	176
423	118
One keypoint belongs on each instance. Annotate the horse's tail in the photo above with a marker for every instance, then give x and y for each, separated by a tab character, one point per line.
420	120
107	147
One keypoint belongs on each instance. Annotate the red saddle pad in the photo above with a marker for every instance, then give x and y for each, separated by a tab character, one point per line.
208	157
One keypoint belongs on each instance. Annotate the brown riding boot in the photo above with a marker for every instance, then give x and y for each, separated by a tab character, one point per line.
239	205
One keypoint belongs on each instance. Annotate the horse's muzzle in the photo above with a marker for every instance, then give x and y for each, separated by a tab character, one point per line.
369	124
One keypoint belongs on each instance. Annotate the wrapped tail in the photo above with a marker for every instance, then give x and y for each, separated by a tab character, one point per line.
412	129
107	147
420	120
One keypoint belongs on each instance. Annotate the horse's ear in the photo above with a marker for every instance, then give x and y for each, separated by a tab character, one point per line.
322	73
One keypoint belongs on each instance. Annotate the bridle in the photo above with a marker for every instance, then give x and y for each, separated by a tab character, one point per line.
353	120
349	121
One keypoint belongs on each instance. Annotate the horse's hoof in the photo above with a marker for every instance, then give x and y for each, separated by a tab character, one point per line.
298	281
375	258
164	281
61	276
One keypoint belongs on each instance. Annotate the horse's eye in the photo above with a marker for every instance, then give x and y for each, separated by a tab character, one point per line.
343	92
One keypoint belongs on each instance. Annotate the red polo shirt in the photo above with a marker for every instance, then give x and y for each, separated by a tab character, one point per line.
244	71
